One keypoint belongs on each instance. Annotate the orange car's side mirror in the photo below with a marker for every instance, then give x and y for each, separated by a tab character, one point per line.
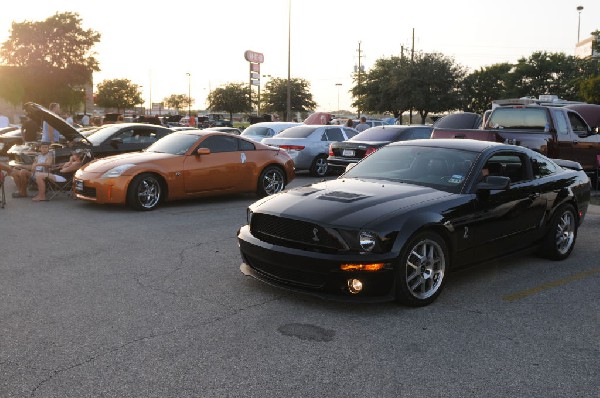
203	151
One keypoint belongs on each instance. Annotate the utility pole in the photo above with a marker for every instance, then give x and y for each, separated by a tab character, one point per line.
359	80
412	59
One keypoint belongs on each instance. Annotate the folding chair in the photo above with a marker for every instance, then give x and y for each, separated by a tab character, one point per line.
54	188
2	192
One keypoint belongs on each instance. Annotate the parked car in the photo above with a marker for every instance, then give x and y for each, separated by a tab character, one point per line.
230	130
308	145
106	140
185	164
341	154
370	122
9	136
259	131
395	224
462	120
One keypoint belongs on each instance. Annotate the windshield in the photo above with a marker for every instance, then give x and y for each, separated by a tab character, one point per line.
440	168
100	135
257	131
378	134
175	144
297	132
519	118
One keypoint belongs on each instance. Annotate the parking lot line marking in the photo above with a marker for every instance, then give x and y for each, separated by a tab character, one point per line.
550	285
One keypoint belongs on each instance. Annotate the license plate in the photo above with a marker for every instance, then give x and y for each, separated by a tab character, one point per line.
348	152
79	185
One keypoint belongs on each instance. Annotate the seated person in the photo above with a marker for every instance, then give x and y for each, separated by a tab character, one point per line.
61	175
40	167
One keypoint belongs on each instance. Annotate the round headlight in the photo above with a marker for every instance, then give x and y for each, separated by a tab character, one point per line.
367	240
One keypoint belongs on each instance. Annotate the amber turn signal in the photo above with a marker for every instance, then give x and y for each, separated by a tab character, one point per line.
362	267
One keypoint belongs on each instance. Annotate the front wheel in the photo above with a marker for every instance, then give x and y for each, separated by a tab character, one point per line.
561	235
271	181
144	192
319	167
422	269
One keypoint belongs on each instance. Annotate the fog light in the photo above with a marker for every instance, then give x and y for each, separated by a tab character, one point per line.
354	286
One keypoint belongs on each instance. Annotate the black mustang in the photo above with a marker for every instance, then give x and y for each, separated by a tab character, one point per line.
392	226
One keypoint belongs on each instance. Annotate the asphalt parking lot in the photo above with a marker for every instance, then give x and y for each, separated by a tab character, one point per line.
105	301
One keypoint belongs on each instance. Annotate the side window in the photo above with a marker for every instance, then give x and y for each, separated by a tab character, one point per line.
144	136
270	133
220	143
334	134
350	132
246	146
504	164
126	135
422	134
561	122
542	167
578	125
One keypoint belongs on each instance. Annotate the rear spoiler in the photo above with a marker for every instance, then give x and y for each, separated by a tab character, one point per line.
568	164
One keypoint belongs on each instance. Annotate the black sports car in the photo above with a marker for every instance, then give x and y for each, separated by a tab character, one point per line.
368	141
392	226
110	139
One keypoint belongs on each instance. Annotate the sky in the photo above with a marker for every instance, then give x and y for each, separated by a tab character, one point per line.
157	44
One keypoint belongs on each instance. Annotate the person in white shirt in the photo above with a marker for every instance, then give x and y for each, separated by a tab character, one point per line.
69	119
85	120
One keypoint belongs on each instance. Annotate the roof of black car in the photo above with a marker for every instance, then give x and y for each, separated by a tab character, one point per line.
453	143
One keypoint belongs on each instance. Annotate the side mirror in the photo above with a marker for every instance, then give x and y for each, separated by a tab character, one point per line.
115	142
494	183
203	151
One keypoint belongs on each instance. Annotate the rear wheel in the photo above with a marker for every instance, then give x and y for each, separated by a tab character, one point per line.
319	167
422	269
144	192
562	233
271	181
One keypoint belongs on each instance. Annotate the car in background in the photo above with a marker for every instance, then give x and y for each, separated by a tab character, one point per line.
230	130
9	136
462	120
107	140
185	164
308	145
370	122
394	225
259	131
341	154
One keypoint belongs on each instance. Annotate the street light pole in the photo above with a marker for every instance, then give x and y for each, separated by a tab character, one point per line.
338	86
189	75
289	87
579	9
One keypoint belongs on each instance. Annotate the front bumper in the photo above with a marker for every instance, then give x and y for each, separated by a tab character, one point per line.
314	273
92	188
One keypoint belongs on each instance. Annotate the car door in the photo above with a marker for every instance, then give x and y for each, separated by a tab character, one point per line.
586	145
220	170
505	220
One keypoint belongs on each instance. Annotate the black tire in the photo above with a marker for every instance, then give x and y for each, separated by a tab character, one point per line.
562	233
144	192
421	269
319	166
271	181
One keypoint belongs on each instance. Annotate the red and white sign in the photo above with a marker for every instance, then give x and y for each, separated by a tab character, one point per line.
255	57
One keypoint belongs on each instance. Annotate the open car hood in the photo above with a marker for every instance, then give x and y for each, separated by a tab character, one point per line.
38	112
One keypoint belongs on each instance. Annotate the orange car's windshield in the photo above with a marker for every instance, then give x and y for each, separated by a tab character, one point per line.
175	144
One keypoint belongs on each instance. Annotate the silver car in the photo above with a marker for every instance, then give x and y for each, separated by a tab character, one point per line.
308	145
259	131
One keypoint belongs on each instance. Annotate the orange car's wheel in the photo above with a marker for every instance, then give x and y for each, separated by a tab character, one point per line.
271	181
144	192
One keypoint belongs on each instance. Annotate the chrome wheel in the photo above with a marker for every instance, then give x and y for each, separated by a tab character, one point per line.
425	267
145	192
320	167
271	182
565	233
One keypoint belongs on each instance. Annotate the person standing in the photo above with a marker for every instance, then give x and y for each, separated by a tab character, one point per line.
69	119
49	133
29	129
4	122
85	120
362	126
349	123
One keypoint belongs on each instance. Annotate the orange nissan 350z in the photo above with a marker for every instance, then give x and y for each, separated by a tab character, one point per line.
186	164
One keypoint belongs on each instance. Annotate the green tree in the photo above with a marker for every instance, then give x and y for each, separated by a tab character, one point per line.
590	90
118	93
52	59
483	86
232	98
274	99
178	101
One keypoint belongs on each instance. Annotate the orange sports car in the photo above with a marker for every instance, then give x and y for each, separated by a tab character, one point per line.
185	164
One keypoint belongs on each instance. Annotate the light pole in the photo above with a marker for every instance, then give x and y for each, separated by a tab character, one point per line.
579	9
289	84
189	75
338	86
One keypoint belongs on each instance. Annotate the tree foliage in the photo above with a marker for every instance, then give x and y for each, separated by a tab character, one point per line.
274	99
48	61
483	86
178	101
590	90
118	93
231	98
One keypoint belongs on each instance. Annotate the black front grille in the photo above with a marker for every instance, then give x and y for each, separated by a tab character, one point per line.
293	233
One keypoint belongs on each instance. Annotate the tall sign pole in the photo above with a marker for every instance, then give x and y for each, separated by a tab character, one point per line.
254	59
